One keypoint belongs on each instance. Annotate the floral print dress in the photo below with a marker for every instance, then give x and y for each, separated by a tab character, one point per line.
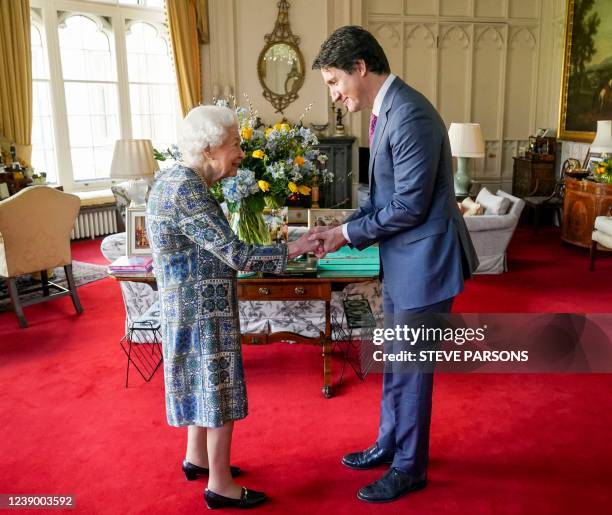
195	258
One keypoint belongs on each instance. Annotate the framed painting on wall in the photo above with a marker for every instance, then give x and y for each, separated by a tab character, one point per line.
136	232
586	89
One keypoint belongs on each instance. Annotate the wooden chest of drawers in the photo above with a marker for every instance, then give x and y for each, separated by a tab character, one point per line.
583	202
532	178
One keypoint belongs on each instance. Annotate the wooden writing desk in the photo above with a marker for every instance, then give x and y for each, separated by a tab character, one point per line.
286	288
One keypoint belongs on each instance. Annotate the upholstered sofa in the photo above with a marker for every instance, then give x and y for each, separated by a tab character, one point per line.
491	233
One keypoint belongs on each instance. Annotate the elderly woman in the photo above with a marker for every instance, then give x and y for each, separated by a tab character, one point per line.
195	256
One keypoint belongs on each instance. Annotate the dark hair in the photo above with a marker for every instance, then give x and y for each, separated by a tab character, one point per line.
346	46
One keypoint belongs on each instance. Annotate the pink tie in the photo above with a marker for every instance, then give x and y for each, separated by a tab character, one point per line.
373	119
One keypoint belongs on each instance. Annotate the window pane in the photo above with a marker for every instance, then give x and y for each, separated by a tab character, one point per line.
43	144
153	95
91	96
43	152
40	69
85	50
93	127
148	55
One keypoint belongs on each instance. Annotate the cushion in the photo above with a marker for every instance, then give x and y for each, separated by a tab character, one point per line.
604	224
471	208
95	198
492	204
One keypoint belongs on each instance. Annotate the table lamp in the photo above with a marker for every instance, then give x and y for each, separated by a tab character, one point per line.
602	143
133	160
466	142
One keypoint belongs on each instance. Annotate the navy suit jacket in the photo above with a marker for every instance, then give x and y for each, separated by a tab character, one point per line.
425	248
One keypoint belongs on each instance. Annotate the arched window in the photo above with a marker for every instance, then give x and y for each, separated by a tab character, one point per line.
90	86
102	71
43	147
153	95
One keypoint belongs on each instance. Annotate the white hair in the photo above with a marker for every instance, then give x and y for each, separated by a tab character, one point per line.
203	127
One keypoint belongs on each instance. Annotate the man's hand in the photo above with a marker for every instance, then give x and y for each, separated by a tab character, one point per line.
331	240
303	245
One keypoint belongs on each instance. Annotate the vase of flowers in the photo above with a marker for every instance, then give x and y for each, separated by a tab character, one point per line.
281	161
603	171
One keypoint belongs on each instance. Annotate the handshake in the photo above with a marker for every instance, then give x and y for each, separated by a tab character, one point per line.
320	240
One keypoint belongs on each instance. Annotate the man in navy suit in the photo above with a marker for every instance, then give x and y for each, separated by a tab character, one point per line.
425	248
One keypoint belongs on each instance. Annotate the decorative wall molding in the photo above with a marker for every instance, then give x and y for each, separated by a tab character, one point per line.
450	31
387	31
522	37
412	31
489	34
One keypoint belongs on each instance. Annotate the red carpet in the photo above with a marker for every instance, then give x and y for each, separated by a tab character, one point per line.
499	444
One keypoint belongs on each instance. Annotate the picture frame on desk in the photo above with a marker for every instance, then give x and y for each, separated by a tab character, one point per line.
591	162
277	220
328	217
136	232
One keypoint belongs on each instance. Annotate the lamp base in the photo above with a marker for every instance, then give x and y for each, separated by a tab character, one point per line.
462	177
138	190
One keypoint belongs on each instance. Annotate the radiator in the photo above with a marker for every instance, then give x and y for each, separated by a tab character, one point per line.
95	222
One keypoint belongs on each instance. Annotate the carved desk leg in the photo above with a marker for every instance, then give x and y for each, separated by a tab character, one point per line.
326	344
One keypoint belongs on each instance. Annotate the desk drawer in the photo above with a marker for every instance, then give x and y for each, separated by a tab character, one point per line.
308	291
260	291
284	291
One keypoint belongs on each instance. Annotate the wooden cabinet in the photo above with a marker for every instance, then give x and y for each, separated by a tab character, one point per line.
584	201
532	178
339	151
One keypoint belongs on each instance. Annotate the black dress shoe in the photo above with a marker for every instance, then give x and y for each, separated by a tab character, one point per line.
370	458
193	472
248	499
391	486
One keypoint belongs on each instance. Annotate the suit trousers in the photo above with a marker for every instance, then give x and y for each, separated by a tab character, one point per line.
405	413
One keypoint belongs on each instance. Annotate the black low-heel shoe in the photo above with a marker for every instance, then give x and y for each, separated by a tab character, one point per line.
193	472
248	499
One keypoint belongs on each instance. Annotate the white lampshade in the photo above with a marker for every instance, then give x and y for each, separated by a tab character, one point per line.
603	138
133	159
466	140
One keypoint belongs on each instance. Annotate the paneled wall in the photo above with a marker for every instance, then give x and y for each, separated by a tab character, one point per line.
475	60
237	31
495	62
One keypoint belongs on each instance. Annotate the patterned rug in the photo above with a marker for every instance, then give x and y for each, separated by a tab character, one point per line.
83	273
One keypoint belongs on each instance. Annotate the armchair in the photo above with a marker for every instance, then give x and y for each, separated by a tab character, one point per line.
491	235
602	235
35	226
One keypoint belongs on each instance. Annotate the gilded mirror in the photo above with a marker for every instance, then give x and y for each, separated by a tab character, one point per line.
280	66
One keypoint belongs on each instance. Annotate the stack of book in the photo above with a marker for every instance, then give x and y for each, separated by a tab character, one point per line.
132	265
348	261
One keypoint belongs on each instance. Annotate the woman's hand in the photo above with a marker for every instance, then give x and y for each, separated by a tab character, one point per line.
304	245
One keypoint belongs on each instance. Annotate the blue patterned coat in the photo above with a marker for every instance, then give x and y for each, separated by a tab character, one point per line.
195	258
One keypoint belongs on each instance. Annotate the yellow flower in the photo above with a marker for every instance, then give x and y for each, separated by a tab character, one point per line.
263	185
258	154
285	127
246	133
299	160
278	126
293	187
601	169
268	131
304	190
